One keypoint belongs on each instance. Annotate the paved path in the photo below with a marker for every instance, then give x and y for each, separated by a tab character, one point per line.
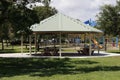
26	55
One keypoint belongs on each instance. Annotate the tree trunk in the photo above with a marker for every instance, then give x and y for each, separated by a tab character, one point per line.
2	45
12	44
6	43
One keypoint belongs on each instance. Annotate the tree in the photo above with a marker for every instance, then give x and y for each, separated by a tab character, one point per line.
15	16
44	12
26	17
109	19
4	20
22	18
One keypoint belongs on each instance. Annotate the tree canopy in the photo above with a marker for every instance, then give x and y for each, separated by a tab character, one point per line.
44	12
109	19
19	17
16	17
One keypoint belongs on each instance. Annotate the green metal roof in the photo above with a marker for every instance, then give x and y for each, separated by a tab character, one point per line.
62	23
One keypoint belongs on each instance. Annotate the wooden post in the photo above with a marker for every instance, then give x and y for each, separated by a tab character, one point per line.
22	43
98	50
30	44
35	43
90	45
84	39
60	45
105	44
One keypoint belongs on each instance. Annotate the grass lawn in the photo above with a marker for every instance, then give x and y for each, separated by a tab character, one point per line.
114	51
16	49
60	69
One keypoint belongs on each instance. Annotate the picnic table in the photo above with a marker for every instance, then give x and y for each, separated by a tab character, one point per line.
50	51
85	51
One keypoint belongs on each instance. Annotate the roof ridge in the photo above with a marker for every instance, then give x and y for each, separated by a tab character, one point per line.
45	20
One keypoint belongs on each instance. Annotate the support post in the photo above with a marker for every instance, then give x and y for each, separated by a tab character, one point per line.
35	43
30	44
84	39
98	50
90	44
22	43
60	45
105	44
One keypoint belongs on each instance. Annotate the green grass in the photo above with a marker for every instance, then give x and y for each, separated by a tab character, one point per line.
114	51
60	69
15	49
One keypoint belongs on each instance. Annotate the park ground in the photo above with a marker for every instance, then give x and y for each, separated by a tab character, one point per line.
22	67
107	68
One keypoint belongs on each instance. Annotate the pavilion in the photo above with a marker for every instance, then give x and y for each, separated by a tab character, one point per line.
62	24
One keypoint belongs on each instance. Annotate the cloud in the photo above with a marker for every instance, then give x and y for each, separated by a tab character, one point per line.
98	3
80	9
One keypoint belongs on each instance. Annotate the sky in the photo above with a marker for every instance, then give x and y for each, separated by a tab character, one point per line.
80	9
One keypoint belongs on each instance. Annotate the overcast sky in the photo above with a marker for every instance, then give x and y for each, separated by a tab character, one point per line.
80	9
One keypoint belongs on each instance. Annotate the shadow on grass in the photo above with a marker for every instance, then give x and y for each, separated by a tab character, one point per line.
83	62
99	68
48	67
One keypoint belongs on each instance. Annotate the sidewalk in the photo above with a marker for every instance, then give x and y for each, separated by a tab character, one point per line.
27	55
